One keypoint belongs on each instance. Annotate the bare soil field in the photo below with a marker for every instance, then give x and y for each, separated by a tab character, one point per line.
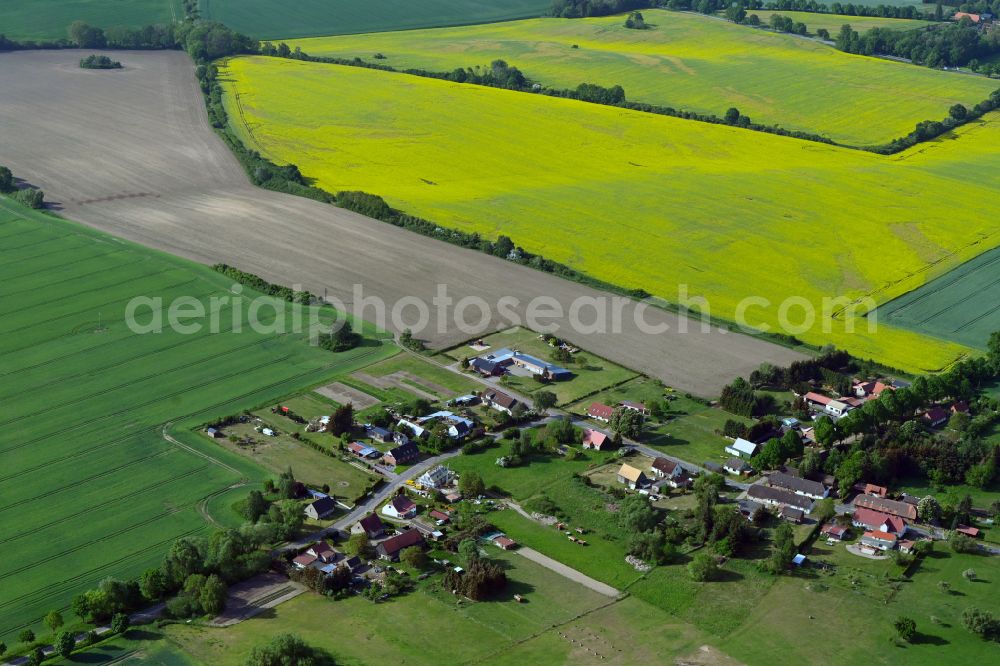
342	393
130	152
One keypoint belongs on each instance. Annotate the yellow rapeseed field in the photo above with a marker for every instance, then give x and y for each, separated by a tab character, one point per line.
693	62
640	200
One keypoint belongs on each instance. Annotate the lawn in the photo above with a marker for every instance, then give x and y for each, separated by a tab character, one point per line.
951	307
695	63
590	373
49	19
746	214
272	19
86	402
852	623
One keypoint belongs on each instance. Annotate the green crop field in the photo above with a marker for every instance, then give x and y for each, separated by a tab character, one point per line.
641	200
962	305
273	19
49	19
692	62
90	486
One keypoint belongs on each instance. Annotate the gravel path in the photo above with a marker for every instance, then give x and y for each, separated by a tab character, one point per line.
131	152
567	572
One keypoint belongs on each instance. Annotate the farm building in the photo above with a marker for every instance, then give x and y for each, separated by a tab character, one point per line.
892	507
778	497
812	489
362	451
742	448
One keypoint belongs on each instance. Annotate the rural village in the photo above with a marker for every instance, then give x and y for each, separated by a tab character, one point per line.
363	490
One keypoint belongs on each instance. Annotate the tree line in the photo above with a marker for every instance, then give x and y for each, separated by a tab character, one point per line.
958	44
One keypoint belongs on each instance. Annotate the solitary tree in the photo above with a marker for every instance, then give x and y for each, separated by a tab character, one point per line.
543	400
471	484
906	628
26	636
53	620
703	568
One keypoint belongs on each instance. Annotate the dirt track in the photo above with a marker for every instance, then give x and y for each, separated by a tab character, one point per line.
130	152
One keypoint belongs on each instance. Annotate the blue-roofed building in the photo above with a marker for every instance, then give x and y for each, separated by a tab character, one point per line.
537	366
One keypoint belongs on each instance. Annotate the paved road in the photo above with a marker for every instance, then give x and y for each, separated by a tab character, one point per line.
567	572
131	152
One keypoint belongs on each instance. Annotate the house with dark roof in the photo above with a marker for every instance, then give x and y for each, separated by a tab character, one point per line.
403	454
791	514
935	417
500	401
487	368
811	489
378	434
401	507
778	497
737	466
391	547
892	507
371	525
304	560
669	473
635	406
320	508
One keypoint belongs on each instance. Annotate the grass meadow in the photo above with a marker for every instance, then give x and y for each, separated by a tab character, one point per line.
644	201
696	63
89	486
272	19
49	19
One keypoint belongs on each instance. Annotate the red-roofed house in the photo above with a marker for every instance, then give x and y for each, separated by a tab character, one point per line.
304	560
322	551
440	516
832	531
870	519
389	549
814	399
594	439
505	543
879	540
968	531
600	412
958	16
877	491
960	407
